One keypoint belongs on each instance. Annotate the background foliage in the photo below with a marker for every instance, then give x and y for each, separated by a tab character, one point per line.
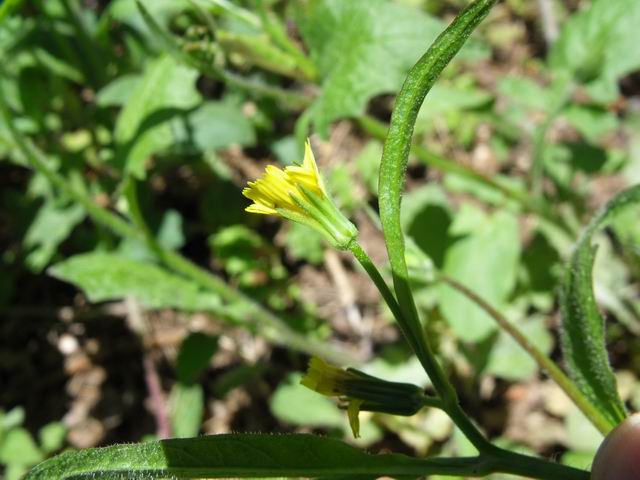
160	113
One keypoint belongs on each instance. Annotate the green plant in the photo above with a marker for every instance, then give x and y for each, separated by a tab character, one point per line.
157	118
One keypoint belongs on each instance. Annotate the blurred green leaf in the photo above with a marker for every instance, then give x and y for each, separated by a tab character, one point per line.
368	164
161	10
212	126
591	122
195	353
426	217
242	252
582	436
296	404
304	243
186	409
108	276
50	227
12	418
598	45
18	448
359	59
119	91
52	437
507	358
484	260
142	128
583	333
170	234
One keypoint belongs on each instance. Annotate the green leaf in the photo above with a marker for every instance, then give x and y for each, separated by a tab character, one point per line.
118	92
142	128
187	409
510	361
106	276
161	10
194	355
52	436
486	261
304	243
50	227
240	455
8	7
296	404
396	154
18	448
583	333
212	126
600	43
361	48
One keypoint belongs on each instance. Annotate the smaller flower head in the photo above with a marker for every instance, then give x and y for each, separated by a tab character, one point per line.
358	391
298	193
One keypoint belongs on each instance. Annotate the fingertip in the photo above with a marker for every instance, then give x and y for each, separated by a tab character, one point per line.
618	457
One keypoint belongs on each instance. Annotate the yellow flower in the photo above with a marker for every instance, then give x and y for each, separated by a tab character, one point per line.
358	391
298	193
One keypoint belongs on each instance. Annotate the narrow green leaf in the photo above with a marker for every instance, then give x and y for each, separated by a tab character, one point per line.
398	144
583	334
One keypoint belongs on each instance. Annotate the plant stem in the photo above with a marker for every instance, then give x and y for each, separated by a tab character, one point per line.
419	344
253	313
560	100
492	459
543	361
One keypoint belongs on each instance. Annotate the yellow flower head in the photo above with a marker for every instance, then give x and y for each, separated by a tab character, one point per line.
358	391
298	193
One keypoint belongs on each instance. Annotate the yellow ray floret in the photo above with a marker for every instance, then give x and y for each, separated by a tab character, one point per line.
277	188
297	193
324	378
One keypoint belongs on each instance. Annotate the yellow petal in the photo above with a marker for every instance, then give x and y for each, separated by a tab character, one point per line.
262	209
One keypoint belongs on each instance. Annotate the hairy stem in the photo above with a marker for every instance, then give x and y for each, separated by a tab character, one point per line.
419	344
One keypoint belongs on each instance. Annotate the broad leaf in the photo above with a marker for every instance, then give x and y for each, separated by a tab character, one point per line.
599	45
583	335
484	260
510	361
142	128
106	276
361	48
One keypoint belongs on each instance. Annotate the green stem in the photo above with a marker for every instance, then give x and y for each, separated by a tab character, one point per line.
540	138
419	344
543	361
493	458
271	326
395	156
277	31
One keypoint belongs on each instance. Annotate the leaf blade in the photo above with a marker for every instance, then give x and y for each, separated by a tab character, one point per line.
238	455
583	333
